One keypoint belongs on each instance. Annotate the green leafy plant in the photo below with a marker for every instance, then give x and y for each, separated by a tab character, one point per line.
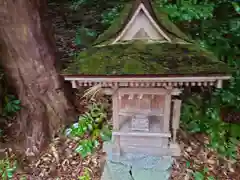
86	147
11	105
225	136
187	10
216	23
93	124
7	168
230	96
84	36
23	178
202	116
200	175
109	15
76	3
85	176
192	115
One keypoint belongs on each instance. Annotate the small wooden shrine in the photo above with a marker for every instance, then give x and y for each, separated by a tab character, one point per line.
144	62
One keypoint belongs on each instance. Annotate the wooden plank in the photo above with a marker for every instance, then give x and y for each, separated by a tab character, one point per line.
74	84
125	112
219	83
147	79
115	110
176	117
167	111
139	134
140	123
116	125
142	91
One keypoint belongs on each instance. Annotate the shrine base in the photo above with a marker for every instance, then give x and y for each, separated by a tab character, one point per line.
119	171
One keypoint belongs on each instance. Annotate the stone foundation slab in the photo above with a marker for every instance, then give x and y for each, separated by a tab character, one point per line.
118	171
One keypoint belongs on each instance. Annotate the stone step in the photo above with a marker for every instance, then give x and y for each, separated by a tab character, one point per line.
118	171
172	150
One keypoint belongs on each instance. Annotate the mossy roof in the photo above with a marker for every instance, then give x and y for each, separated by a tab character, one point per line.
161	18
139	58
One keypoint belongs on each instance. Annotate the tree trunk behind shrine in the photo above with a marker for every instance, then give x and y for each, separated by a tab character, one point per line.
28	58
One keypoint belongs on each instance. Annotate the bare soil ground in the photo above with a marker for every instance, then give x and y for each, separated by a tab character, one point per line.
61	162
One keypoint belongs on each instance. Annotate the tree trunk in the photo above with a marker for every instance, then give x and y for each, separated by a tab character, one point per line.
28	59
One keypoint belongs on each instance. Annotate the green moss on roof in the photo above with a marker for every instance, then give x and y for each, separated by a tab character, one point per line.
116	25
168	25
140	58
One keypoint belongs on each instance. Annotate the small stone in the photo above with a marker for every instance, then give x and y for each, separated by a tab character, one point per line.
211	161
189	149
46	159
68	153
74	174
74	162
231	170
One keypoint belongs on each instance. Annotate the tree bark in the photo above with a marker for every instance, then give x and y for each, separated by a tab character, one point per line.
28	59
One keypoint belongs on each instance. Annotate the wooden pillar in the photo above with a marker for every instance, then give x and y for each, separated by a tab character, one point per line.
115	111
219	83
73	84
176	117
167	111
